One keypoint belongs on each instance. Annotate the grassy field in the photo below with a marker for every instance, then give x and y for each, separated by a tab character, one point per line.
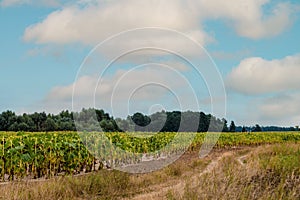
241	166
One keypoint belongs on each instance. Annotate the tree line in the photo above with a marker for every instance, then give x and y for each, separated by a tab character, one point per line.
175	121
64	121
258	128
92	119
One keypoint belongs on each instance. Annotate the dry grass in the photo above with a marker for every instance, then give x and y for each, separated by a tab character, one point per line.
269	172
101	185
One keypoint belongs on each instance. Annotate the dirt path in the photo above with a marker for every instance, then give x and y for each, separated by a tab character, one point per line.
161	191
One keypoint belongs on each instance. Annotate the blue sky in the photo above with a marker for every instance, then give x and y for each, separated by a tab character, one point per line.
254	44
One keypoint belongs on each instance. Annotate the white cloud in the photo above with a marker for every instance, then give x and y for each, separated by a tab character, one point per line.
6	3
89	23
248	17
141	85
262	27
50	3
282	109
256	75
93	23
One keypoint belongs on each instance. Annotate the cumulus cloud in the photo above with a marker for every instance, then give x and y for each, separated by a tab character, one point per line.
6	3
248	17
50	3
93	23
262	27
90	22
257	76
281	109
142	85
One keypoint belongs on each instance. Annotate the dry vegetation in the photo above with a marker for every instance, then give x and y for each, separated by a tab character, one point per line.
264	172
269	172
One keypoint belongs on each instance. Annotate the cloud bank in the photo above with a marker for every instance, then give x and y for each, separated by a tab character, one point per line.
90	22
256	75
47	3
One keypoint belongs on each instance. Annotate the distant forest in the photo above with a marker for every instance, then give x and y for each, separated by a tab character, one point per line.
91	119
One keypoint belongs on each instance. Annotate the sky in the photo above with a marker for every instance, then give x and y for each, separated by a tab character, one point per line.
235	59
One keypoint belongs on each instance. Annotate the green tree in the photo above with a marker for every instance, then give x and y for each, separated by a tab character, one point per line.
257	128
50	125
23	127
244	129
141	121
203	123
107	125
7	119
39	120
225	127
232	127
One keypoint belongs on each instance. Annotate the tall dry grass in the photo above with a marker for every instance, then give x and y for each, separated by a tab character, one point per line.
270	172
